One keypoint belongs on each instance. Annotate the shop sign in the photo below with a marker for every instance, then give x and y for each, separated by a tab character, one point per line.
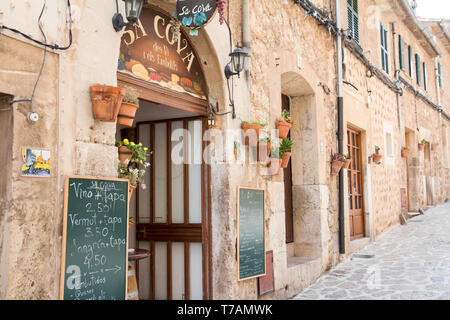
195	13
152	52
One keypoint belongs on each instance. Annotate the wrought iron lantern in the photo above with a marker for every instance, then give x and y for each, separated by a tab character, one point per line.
133	10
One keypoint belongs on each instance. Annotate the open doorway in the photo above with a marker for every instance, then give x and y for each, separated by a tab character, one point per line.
171	212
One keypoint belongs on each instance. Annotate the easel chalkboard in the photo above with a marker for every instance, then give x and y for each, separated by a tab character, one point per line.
251	252
95	233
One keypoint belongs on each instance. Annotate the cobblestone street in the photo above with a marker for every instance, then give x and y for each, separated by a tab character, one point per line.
410	262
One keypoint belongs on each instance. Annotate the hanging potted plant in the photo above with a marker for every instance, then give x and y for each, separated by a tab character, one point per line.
106	101
133	168
285	149
251	128
264	147
128	108
284	124
348	161
337	162
422	144
275	160
377	156
405	151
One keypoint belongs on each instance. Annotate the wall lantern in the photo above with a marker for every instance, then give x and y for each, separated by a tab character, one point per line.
133	10
237	63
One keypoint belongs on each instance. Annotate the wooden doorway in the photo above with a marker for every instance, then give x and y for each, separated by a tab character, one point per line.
172	213
288	205
355	186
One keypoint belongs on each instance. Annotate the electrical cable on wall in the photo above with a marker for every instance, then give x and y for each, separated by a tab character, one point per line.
33	116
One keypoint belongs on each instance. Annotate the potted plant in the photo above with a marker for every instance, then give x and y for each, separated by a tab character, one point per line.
405	151
284	124
377	156
106	101
250	127
264	148
348	161
285	149
130	168
422	144
337	162
275	160
128	108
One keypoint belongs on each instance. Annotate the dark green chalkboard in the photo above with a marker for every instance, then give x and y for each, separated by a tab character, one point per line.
95	249
251	229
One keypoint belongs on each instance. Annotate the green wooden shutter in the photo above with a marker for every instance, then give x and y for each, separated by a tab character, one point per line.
425	80
410	58
384	49
440	75
353	19
419	82
400	52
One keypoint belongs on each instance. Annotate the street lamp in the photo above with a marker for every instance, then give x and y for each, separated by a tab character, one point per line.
237	63
133	10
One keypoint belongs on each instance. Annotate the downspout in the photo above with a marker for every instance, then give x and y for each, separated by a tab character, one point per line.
246	33
397	75
340	105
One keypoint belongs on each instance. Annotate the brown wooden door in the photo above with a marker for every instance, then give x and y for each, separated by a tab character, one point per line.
172	215
289	214
355	185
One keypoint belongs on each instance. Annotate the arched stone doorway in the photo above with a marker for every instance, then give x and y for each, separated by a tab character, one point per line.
175	78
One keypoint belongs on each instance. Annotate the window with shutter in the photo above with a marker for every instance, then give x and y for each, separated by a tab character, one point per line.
384	49
400	52
419	82
353	19
410	59
440	75
425	80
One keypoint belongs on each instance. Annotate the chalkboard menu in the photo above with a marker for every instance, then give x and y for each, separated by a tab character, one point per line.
95	252
251	252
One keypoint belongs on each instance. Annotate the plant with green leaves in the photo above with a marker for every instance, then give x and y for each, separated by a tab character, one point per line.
276	153
131	96
377	150
286	145
134	170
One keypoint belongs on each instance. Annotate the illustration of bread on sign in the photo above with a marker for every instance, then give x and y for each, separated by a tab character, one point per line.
139	71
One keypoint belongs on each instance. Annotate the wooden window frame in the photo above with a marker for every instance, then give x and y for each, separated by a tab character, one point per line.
418	74
384	49
353	19
411	63
425	77
401	55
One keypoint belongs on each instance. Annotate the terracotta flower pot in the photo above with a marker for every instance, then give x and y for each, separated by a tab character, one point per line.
377	158
126	114
283	128
275	165
125	155
106	101
421	146
405	153
264	150
347	163
336	166
249	130
285	159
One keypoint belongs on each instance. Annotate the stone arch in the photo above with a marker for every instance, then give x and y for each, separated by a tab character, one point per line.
309	182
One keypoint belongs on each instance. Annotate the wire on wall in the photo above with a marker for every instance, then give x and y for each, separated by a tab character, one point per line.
32	116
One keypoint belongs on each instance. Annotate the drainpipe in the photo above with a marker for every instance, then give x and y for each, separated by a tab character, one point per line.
246	32
397	75
340	104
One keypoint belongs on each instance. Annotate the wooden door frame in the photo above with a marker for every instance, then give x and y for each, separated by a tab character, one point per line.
186	232
362	195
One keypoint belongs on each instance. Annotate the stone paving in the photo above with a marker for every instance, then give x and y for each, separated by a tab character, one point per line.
411	262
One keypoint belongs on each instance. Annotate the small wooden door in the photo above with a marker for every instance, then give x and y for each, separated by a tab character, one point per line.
288	205
355	186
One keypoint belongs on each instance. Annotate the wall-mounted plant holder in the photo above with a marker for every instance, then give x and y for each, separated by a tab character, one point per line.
106	101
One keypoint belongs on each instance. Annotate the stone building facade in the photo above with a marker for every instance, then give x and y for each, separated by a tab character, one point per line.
293	55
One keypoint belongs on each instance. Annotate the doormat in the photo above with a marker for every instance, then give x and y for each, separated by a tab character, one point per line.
363	256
